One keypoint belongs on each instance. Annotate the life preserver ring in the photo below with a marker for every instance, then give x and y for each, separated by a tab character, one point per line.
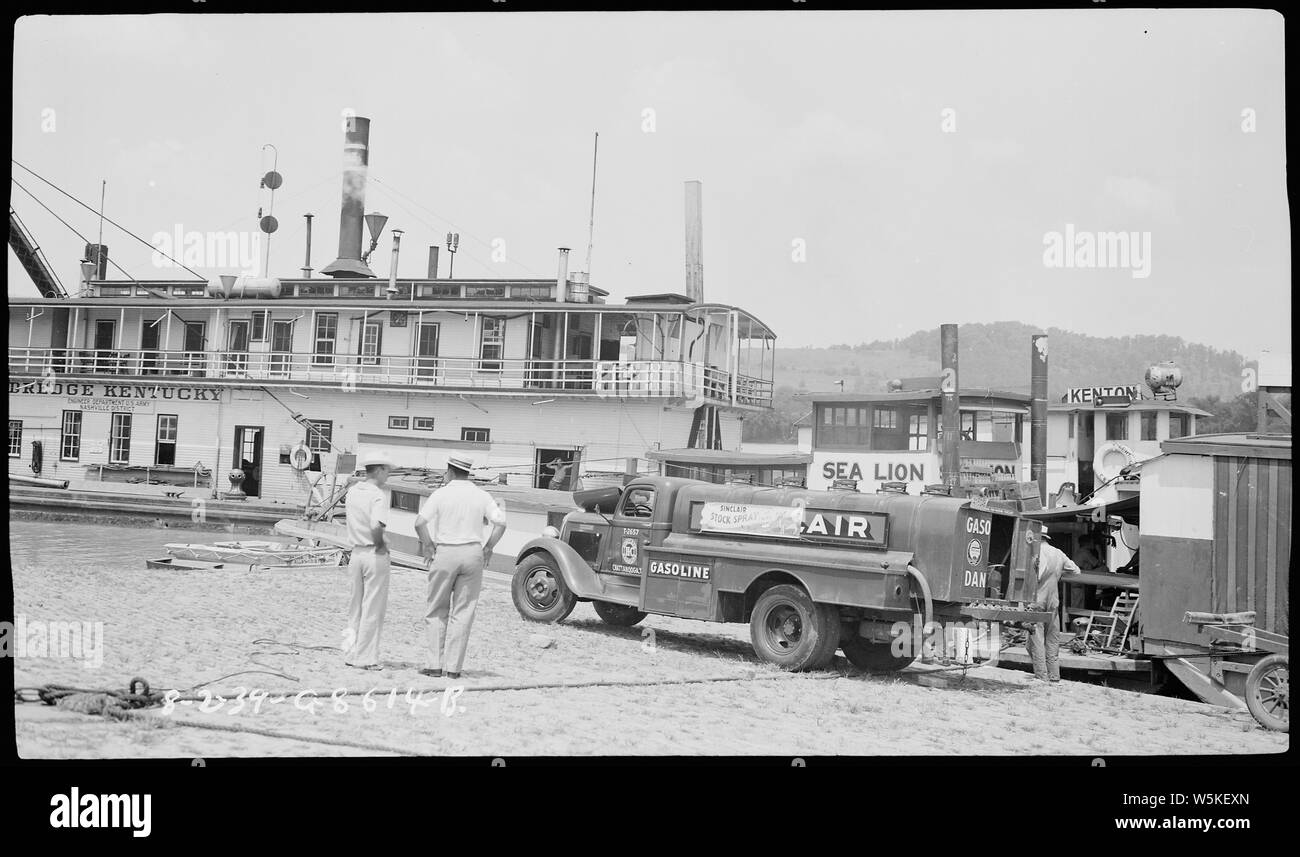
1110	460
300	456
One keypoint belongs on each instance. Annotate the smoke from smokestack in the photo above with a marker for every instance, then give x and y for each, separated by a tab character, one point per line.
356	159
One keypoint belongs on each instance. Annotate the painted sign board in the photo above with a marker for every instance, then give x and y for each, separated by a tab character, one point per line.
797	523
871	469
114	397
1112	396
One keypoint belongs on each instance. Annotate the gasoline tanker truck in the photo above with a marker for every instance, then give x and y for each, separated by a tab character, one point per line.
812	572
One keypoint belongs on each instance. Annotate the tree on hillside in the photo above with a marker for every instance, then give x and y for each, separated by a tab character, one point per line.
1235	415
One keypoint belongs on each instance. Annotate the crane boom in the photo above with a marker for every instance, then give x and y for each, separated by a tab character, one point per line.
32	260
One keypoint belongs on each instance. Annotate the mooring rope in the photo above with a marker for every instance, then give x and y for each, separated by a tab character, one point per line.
128	705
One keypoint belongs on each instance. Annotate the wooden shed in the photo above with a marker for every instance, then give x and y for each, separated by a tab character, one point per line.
1216	538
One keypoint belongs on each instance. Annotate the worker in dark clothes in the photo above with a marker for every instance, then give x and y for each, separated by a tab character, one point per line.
1044	642
1089	556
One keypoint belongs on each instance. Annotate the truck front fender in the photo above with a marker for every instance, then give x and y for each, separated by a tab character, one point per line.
577	575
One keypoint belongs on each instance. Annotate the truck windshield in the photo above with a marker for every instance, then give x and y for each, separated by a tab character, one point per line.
639	503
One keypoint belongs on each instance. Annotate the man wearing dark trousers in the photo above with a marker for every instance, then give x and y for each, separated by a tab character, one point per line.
1044	642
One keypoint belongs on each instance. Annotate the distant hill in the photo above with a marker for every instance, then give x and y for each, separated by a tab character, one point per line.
991	355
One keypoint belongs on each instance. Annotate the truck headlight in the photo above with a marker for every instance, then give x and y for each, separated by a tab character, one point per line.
550	532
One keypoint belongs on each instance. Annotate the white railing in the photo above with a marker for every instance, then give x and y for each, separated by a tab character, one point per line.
614	378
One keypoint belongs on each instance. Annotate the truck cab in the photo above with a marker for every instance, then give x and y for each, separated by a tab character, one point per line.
813	572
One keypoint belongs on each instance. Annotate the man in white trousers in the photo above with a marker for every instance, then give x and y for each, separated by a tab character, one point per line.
367	518
450	527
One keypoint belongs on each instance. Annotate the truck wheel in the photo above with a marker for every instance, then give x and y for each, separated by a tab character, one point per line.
1268	693
617	614
873	657
789	630
539	592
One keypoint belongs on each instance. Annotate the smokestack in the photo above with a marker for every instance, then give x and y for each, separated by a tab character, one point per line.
562	278
98	253
306	262
951	415
695	241
1038	413
356	157
433	261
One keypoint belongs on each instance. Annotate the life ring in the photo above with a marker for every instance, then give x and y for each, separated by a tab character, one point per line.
300	456
1110	460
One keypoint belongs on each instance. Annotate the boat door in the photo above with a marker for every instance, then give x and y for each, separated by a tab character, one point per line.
630	533
426	349
248	457
281	348
237	347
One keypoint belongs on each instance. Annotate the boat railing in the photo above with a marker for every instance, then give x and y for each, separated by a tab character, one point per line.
614	378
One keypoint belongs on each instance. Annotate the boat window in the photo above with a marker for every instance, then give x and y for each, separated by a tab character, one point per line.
918	432
70	436
902	427
1148	425
485	291
1116	426
165	447
407	501
119	440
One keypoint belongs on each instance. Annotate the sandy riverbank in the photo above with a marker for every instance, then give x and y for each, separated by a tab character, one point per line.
179	629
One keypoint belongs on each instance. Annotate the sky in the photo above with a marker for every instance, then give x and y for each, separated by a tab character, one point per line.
865	174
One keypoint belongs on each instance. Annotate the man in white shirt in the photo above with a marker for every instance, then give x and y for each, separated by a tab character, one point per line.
450	527
367	517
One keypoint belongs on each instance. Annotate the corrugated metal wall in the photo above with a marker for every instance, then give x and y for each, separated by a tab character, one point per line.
1252	538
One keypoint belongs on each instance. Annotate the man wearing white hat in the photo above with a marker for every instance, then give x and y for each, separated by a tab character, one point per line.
367	517
450	526
1044	643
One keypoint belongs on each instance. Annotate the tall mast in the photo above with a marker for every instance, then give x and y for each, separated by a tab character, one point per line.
591	226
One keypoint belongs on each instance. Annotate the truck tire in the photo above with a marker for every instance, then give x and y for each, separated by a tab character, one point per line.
873	657
617	614
788	629
539	592
1268	693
